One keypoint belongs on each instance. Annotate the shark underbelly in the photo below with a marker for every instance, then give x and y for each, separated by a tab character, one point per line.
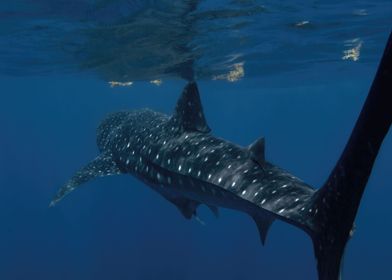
175	185
172	185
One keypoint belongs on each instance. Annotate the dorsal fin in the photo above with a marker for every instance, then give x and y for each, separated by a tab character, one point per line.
189	111
256	150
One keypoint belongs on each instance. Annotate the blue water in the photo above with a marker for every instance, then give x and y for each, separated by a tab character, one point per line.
297	89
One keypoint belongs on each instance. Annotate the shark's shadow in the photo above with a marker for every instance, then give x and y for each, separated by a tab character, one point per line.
179	158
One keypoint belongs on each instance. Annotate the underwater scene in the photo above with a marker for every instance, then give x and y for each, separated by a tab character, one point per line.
195	139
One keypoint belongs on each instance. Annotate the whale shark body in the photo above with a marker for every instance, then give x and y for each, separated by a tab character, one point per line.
178	157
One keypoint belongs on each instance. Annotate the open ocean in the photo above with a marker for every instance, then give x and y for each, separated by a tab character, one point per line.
296	72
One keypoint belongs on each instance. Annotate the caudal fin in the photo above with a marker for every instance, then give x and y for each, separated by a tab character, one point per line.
336	203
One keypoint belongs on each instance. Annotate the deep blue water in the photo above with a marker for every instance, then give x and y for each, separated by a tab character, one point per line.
297	91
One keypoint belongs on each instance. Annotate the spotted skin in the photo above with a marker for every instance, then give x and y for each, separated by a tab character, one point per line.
178	157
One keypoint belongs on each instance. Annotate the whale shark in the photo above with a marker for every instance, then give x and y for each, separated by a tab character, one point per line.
178	157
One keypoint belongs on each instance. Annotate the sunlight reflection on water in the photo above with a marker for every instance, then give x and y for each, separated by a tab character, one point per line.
151	40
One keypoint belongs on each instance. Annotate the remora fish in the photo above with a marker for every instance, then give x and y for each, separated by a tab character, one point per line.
179	158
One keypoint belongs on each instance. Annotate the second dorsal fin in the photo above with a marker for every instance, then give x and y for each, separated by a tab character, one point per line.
189	111
257	150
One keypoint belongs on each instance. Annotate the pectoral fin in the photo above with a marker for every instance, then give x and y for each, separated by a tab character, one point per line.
103	165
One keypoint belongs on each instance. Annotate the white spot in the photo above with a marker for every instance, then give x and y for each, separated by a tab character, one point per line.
179	167
285	186
243	192
296	200
254	181
168	161
233	184
256	193
186	136
157	157
229	166
220	179
129	144
209	176
263	201
189	170
273	192
206	158
246	171
198	173
127	161
281	211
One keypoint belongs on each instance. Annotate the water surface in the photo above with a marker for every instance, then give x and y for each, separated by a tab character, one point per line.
296	73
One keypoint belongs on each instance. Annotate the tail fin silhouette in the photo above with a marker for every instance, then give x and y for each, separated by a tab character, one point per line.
337	202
